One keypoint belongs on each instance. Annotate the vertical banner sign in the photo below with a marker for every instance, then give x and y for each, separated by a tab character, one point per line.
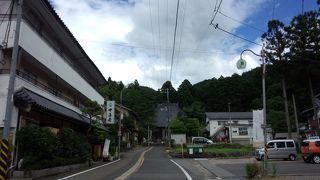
110	112
4	156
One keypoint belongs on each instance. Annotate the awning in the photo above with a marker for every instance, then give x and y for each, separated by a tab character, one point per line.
26	99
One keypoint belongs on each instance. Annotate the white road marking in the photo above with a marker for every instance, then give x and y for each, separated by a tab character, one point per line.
135	167
183	170
89	170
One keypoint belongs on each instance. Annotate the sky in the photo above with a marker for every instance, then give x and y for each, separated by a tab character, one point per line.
134	39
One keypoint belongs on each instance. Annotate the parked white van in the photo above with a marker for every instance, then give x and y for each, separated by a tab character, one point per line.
278	149
201	140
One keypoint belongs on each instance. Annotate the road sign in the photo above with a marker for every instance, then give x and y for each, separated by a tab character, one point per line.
110	112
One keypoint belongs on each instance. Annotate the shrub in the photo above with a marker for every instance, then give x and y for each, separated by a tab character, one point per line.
36	142
41	149
252	170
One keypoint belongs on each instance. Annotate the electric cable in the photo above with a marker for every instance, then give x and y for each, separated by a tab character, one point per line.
8	29
179	46
212	18
240	22
159	29
6	13
151	24
174	38
216	26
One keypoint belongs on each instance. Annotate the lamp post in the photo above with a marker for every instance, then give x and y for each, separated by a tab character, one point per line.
241	65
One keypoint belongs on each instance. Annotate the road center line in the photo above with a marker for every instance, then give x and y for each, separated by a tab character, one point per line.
135	167
89	170
183	170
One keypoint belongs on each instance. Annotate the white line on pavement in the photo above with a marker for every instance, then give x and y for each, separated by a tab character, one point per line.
89	170
183	170
135	167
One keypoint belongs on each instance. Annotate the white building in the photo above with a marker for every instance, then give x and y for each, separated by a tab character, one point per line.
237	127
54	74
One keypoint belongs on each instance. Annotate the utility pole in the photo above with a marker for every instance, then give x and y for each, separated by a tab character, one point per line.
168	126
230	130
314	103
168	111
5	151
296	119
264	125
14	59
119	130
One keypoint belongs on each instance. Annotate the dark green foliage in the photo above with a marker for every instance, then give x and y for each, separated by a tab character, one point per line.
36	142
195	110
177	126
40	148
252	170
185	94
192	126
72	144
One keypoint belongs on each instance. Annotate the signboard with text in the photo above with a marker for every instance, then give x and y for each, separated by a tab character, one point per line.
110	112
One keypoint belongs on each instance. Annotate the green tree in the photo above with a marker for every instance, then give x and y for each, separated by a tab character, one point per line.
276	44
304	35
94	111
185	93
177	126
193	126
172	93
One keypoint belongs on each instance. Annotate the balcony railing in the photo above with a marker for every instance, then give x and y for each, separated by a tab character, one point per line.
52	90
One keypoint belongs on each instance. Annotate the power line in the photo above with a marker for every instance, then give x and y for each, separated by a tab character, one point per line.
159	29
174	39
154	48
6	13
216	26
243	23
183	17
185	50
212	17
167	29
216	13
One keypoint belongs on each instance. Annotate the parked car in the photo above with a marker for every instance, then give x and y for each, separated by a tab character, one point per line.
310	149
278	149
201	140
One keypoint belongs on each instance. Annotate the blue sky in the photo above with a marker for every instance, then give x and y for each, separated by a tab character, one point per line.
284	10
133	39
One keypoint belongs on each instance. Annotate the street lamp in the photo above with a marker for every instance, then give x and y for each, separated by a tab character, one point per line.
241	65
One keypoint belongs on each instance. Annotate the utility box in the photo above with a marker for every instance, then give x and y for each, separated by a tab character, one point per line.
195	149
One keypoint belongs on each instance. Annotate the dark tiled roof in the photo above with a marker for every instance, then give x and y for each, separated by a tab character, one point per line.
225	115
25	97
162	113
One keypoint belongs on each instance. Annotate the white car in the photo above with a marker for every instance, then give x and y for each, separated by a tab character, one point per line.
201	140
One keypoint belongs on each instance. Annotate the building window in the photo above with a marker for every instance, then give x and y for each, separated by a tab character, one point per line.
235	122
243	131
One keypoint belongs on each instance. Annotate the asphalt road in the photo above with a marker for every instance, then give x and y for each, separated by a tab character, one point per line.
157	165
103	171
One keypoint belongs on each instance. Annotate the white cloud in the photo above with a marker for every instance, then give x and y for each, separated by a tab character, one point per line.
143	52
